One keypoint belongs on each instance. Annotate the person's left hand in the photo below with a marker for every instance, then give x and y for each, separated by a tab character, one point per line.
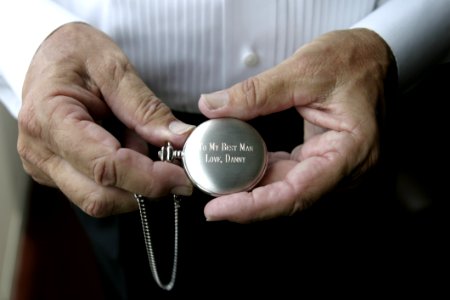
336	83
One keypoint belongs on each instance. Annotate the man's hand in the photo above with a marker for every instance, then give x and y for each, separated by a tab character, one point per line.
336	84
78	78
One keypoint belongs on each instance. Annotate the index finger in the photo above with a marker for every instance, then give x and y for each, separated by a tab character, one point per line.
292	185
96	153
302	185
136	105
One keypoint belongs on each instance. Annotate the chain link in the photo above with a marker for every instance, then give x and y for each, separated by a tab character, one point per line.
148	242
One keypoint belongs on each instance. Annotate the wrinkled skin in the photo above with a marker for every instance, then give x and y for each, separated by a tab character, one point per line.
336	84
78	78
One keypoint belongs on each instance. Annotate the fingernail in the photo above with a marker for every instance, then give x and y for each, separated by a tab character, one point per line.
179	127
182	190
209	219
216	100
208	216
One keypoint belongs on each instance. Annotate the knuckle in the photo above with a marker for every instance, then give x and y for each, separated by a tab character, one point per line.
29	157
23	151
96	205
251	91
110	71
27	122
301	204
151	108
104	171
155	186
116	66
34	162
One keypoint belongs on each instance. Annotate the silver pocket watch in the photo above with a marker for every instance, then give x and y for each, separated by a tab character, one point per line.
221	156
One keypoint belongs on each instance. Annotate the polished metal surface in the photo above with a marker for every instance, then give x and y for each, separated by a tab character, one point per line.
221	156
224	156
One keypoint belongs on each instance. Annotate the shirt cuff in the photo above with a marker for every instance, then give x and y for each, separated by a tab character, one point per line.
24	24
418	32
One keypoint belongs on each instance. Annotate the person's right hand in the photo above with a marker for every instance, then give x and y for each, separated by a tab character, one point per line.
77	78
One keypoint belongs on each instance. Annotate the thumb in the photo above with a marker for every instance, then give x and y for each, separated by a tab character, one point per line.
132	101
138	107
266	93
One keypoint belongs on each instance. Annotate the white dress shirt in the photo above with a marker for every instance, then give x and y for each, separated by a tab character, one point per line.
183	48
